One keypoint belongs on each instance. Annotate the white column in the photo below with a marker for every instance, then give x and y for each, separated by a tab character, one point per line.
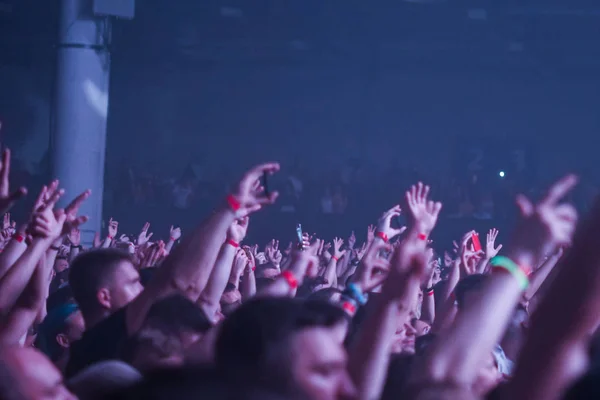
80	108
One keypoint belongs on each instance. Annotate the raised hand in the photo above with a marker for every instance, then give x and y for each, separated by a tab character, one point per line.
175	233
384	225
240	262
144	236
47	223
373	268
360	253
249	196
490	250
74	237
337	248
424	213
124	239
370	233
238	229
72	220
547	224
113	228
7	199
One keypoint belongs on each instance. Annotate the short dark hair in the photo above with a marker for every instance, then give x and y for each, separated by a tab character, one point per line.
167	318
90	271
177	313
470	284
253	342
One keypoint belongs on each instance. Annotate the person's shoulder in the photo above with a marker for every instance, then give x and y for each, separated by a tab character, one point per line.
99	342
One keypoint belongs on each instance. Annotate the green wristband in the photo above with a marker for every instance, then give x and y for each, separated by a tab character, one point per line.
510	266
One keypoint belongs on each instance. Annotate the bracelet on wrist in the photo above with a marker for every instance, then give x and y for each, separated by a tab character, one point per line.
349	306
518	272
18	237
233	243
234	204
382	236
353	292
335	258
422	236
290	279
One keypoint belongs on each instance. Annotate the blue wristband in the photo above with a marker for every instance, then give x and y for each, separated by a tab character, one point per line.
356	294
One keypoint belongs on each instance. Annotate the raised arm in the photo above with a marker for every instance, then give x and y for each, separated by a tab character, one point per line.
537	278
188	267
459	353
556	352
248	285
210	298
369	359
16	279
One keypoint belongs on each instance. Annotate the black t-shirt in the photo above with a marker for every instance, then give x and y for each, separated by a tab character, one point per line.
100	343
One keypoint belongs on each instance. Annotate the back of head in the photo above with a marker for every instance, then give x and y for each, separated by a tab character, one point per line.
253	342
26	374
90	272
177	313
103	379
54	324
196	382
171	323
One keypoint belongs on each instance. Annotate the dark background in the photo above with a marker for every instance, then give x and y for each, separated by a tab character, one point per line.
394	90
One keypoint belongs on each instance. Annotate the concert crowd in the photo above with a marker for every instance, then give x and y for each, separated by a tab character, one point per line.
385	312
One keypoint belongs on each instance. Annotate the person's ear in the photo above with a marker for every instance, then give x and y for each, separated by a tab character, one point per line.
63	340
103	296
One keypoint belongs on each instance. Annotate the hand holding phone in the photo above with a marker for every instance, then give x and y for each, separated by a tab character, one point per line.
476	242
300	236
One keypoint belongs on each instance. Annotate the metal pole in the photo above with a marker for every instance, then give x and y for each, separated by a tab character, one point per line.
80	108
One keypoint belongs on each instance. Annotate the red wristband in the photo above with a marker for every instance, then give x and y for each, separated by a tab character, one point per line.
349	307
422	236
430	293
233	203
232	243
382	236
291	280
253	268
19	238
335	258
109	237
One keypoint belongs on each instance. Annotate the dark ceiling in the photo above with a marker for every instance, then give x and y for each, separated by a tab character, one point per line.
504	37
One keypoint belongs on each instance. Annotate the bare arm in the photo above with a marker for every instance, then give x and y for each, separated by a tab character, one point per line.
248	285
211	295
13	250
188	268
458	354
539	276
27	308
369	358
552	359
